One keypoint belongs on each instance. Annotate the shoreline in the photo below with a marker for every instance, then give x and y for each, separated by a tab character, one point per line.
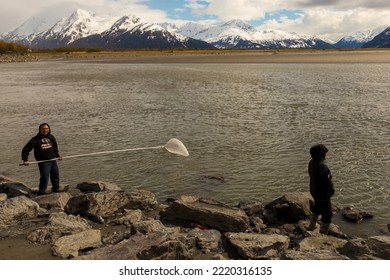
224	56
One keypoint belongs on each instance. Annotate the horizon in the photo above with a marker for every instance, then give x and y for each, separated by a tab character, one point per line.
331	20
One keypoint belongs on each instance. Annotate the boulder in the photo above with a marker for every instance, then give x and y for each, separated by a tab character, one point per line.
130	217
53	200
209	213
355	215
142	199
128	249
59	224
291	207
13	189
380	246
69	246
17	208
357	249
321	254
258	246
100	204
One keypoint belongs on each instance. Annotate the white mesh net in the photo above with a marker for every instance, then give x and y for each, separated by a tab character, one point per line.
175	146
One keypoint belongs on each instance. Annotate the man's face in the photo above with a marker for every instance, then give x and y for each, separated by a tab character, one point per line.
44	130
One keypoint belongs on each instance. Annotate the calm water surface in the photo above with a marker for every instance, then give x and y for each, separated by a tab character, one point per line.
251	124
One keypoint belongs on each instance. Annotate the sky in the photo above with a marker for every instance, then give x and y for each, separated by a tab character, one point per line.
331	19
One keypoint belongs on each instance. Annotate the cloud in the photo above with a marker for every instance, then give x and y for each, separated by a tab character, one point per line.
330	18
332	24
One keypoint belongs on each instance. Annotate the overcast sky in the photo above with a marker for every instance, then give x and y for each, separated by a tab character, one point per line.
330	18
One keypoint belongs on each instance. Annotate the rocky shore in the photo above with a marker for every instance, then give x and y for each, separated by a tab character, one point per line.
8	58
100	221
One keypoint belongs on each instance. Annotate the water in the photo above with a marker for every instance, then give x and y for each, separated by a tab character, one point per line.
252	124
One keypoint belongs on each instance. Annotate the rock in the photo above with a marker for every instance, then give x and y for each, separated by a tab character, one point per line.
357	249
53	200
115	237
69	246
145	227
101	204
209	213
17	208
128	249
98	186
208	240
291	207
130	217
258	246
355	215
380	246
321	254
321	242
59	225
3	196
13	189
142	199
251	207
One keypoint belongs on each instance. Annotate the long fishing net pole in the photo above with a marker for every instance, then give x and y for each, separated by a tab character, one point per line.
174	146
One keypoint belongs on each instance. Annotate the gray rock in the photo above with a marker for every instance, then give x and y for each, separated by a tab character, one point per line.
258	246
69	246
13	189
53	200
355	215
291	207
17	208
321	254
209	213
380	246
130	217
128	249
101	204
142	199
59	224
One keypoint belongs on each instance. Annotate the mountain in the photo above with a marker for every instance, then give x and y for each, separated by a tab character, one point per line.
382	40
87	29
133	33
239	34
358	39
78	25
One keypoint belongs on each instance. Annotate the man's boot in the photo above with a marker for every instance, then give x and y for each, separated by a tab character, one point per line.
313	222
324	228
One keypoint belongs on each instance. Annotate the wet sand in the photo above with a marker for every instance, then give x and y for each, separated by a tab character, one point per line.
228	56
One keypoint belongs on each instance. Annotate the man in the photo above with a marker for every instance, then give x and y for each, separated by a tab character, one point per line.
321	188
45	149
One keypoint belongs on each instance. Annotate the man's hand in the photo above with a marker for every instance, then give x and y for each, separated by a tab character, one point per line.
26	162
59	158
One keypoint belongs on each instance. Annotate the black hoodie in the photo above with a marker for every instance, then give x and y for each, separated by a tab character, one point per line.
321	185
45	147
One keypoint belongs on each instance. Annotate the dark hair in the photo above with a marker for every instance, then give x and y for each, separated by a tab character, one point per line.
42	124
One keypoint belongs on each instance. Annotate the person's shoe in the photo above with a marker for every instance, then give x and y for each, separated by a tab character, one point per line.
324	228
313	222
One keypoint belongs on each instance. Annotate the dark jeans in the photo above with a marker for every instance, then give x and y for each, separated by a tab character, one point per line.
49	170
323	208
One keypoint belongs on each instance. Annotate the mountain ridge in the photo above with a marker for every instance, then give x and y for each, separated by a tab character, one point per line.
87	29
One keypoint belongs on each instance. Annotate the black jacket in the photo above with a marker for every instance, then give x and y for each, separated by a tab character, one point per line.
45	147
321	185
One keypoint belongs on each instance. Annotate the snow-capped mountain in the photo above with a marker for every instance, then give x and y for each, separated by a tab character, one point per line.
239	34
87	29
382	40
132	32
358	39
78	25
